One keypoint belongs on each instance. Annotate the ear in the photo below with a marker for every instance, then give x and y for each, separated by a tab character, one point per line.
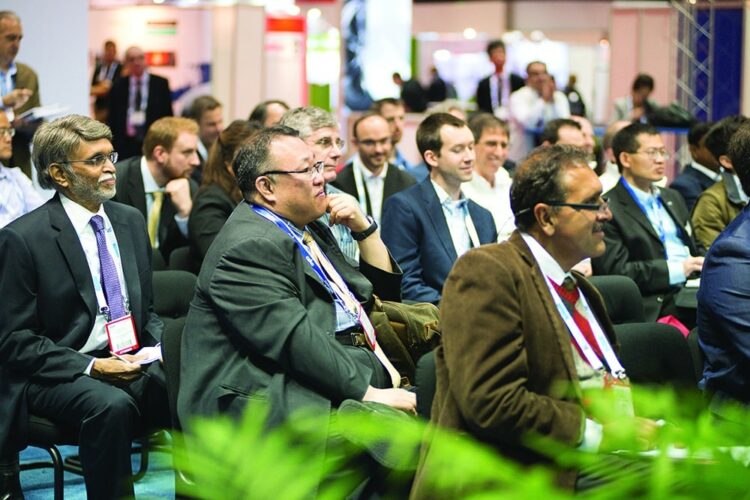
58	174
545	218
430	158
624	159
266	189
725	162
160	154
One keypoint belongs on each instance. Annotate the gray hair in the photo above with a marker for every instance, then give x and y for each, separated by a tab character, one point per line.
55	141
308	119
254	158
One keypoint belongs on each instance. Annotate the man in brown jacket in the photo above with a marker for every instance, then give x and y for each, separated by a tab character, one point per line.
518	350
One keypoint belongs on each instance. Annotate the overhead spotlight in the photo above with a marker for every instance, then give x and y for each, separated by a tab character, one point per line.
313	14
604	42
158	2
692	2
470	33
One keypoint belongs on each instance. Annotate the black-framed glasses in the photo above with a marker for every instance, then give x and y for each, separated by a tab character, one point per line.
315	168
328	143
97	161
600	208
8	132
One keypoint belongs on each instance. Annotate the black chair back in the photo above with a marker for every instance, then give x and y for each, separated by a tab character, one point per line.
173	291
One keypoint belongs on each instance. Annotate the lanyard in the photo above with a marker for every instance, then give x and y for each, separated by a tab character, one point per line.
359	182
324	277
658	226
473	235
615	367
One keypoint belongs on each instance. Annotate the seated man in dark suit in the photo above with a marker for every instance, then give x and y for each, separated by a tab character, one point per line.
702	172
158	183
370	177
723	312
278	312
428	226
80	288
649	237
519	352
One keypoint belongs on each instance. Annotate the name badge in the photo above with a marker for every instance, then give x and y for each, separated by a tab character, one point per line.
137	118
121	335
623	398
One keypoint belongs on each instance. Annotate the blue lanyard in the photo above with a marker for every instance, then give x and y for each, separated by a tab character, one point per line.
284	226
661	233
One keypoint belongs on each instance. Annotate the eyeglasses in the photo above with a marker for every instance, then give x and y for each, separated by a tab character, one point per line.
327	143
97	161
8	132
600	208
655	153
316	168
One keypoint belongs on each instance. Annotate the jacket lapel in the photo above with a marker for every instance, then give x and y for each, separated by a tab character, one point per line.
484	235
70	247
136	192
437	217
546	302
628	206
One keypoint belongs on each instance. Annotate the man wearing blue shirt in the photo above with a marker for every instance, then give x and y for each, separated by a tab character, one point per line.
17	194
649	238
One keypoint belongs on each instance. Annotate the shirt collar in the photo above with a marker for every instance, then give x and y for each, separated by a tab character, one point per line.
12	69
149	183
549	266
704	170
4	171
366	174
80	216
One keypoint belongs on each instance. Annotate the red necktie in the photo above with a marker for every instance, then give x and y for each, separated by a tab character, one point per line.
570	294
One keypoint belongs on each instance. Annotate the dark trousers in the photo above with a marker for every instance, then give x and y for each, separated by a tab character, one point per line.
107	419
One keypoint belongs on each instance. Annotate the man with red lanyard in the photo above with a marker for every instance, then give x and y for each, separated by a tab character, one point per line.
524	339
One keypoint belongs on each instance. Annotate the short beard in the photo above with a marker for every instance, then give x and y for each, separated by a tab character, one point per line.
81	192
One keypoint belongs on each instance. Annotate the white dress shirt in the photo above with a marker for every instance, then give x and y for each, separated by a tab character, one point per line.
495	198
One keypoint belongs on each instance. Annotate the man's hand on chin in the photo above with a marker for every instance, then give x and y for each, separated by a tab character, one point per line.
344	209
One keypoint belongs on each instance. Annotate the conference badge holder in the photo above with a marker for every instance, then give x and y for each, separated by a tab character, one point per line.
121	335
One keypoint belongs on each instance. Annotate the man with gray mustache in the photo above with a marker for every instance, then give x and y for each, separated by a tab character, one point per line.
79	290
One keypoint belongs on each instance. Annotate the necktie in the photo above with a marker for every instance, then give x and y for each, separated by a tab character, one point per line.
109	278
153	218
138	95
342	291
570	294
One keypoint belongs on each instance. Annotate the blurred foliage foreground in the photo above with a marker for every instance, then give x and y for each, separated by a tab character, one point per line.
696	455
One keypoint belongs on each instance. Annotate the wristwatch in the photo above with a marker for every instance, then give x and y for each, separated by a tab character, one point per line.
367	232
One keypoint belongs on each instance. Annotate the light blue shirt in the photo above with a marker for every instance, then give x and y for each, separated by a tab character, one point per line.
6	81
17	195
665	227
455	212
343	234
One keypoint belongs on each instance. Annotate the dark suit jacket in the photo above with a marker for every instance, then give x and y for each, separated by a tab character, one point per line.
159	105
396	180
505	368
484	100
49	304
261	325
723	312
102	102
635	250
211	209
691	183
130	191
416	233
25	78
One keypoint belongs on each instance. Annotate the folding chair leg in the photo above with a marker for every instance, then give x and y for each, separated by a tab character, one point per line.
57	467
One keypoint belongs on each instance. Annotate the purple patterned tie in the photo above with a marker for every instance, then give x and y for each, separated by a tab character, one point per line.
110	280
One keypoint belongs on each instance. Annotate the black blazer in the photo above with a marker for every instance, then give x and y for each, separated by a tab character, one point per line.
49	304
211	209
484	101
395	180
635	250
102	102
159	105
130	191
